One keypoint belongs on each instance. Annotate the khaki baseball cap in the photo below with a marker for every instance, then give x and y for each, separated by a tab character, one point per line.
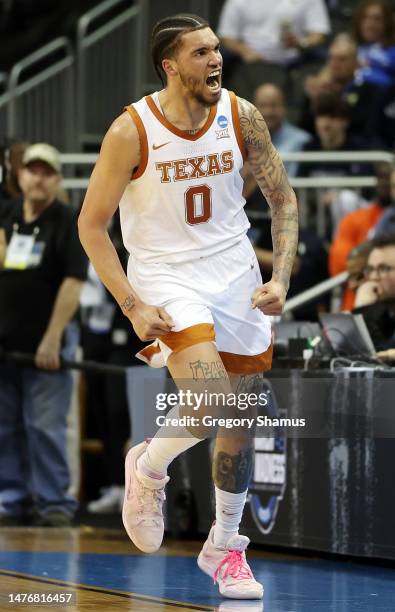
43	152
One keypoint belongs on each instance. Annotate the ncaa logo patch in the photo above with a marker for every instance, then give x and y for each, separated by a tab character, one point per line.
222	121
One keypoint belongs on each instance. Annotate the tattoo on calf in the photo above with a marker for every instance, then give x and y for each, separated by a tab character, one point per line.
128	304
207	370
250	384
232	473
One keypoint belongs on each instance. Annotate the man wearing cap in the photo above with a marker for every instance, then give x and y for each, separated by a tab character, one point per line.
42	268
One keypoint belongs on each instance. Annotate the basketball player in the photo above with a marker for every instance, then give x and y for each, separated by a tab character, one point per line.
172	163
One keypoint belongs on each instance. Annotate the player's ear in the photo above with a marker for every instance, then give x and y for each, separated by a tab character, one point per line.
170	67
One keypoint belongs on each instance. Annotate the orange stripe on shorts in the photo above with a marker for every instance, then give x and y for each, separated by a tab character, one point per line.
149	351
177	341
247	364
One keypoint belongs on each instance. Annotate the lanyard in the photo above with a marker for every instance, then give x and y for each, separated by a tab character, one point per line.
15	228
20	251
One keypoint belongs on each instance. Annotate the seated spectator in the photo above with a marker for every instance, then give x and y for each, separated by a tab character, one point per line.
374	31
42	268
386	224
338	76
331	123
376	296
269	100
356	264
257	34
356	227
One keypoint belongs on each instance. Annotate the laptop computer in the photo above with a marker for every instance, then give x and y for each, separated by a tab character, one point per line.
284	330
348	335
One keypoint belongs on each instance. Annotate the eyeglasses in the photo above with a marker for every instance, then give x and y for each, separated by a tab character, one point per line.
380	270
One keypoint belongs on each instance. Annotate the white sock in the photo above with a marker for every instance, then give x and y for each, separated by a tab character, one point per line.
228	512
166	445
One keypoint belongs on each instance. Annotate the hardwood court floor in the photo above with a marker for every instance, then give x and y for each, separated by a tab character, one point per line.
104	572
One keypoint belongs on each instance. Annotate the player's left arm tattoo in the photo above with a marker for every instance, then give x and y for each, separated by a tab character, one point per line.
271	177
232	473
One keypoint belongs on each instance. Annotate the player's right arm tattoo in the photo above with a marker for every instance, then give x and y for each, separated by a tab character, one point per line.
232	473
271	177
128	304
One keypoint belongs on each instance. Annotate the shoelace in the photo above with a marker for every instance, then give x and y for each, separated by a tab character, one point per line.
236	566
151	499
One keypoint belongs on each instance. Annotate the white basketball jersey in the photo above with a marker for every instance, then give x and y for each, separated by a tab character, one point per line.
185	199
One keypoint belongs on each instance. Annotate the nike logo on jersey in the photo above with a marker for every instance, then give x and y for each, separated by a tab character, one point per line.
195	167
155	147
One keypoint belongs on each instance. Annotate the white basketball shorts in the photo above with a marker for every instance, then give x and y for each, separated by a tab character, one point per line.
209	300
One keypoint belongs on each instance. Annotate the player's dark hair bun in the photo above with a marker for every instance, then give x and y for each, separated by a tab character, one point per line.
167	33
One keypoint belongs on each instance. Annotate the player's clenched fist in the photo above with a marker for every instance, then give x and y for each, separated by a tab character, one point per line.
149	322
269	298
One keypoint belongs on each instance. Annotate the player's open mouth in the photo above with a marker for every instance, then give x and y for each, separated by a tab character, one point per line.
213	81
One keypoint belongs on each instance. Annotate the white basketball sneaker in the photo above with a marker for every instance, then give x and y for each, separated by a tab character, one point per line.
228	567
142	514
